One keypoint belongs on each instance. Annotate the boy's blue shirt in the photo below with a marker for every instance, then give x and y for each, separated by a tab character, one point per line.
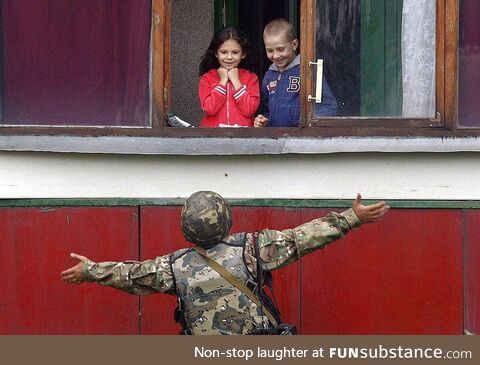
281	97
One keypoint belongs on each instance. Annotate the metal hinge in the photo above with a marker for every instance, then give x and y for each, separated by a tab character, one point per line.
437	122
157	19
165	95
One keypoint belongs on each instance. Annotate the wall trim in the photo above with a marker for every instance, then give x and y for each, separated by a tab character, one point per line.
139	145
280	203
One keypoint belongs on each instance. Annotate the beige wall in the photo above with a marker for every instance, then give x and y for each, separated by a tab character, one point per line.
415	176
192	29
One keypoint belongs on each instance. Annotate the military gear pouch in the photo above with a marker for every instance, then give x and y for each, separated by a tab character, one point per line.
179	317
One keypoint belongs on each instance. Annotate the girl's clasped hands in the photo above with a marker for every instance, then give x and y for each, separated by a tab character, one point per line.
231	75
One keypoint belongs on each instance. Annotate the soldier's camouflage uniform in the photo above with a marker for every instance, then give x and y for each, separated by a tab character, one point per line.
211	304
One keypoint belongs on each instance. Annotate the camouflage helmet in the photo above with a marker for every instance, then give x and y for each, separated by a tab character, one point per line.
206	218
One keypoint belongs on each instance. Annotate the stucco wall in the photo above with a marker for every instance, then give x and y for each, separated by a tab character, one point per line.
192	28
452	176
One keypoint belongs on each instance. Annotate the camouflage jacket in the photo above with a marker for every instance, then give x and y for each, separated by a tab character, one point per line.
211	304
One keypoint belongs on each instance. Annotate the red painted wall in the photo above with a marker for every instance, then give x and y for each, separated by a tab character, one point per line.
160	234
34	248
472	272
401	276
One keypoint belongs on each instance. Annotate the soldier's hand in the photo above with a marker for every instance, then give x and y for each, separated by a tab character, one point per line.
74	275
369	213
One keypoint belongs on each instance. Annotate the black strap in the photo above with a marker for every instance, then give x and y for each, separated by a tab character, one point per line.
265	278
260	276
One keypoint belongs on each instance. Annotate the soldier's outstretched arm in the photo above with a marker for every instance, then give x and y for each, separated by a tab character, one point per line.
280	248
134	277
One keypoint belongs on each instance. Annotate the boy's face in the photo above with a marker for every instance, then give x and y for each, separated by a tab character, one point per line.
280	50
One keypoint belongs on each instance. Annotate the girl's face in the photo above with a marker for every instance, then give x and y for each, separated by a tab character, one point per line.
230	54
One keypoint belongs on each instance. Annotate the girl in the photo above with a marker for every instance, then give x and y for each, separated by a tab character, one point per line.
229	91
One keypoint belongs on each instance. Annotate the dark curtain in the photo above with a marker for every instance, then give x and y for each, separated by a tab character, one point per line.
469	76
253	15
75	62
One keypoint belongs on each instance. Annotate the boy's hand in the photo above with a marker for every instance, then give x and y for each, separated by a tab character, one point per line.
369	213
234	78
74	275
223	74
260	121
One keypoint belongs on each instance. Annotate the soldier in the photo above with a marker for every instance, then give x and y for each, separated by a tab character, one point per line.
209	302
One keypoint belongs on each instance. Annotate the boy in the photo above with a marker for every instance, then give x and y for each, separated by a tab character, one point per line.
281	84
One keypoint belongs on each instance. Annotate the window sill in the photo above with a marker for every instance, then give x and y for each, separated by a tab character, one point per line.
144	145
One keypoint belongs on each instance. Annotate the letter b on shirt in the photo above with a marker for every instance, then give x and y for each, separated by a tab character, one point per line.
293	84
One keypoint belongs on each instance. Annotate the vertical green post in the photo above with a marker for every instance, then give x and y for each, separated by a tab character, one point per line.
232	13
293	15
380	59
218	14
225	13
393	57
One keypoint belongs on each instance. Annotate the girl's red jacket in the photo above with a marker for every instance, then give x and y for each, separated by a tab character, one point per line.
224	106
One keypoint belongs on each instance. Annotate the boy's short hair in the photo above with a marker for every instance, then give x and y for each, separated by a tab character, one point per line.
279	26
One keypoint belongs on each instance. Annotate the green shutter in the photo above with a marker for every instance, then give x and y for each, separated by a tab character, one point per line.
293	15
381	60
231	13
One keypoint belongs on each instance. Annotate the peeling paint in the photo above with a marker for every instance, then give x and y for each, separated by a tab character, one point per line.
47	209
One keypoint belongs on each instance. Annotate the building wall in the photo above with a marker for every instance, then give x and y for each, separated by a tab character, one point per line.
405	269
405	275
414	176
192	27
401	276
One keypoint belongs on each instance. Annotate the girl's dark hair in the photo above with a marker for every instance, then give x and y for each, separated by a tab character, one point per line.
209	60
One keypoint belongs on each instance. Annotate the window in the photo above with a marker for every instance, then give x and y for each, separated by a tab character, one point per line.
469	64
390	64
75	62
69	67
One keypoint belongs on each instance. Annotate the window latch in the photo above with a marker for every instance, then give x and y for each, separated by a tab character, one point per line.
318	86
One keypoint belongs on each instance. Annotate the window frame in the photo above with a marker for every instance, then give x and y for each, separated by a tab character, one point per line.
160	70
445	85
446	123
